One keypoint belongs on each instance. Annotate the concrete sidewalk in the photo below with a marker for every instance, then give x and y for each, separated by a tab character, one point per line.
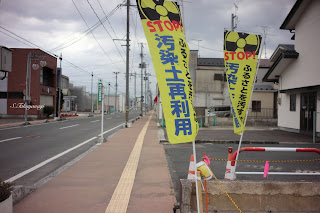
90	184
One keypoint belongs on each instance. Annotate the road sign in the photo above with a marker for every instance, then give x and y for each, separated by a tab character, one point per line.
99	91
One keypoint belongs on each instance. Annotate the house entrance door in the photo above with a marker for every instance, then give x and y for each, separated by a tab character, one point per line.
308	106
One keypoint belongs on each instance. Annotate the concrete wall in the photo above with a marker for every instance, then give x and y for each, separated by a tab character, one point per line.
205	80
254	196
265	97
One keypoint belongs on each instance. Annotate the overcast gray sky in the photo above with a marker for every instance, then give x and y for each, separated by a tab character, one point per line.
58	27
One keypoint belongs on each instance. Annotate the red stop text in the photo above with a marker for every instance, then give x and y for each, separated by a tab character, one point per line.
239	55
159	26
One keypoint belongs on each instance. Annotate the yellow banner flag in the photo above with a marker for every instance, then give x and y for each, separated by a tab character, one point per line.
241	52
162	24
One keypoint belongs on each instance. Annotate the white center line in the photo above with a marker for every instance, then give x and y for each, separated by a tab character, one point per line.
47	161
9	139
68	126
94	121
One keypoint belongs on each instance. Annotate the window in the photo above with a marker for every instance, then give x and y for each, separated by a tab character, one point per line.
41	76
218	77
15	95
3	95
256	106
293	102
47	77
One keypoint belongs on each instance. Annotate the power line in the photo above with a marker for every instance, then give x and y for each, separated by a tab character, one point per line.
25	40
94	35
108	18
15	38
105	29
85	33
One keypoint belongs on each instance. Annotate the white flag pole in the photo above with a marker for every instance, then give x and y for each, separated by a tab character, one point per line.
245	120
195	174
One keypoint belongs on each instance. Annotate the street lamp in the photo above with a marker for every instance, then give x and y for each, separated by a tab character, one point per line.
32	56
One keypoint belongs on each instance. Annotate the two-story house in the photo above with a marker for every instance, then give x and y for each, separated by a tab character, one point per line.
296	70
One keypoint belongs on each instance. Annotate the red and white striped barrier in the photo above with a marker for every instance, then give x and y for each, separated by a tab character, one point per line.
231	174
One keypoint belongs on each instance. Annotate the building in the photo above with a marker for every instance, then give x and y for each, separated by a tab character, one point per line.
68	99
5	68
211	88
40	90
296	70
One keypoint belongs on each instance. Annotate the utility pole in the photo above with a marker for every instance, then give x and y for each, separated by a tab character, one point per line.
145	90
60	83
91	94
102	108
116	90
134	74
233	16
198	46
108	96
141	66
27	95
127	62
135	90
150	95
265	29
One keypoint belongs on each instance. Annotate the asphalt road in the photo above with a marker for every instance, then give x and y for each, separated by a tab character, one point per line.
43	148
178	157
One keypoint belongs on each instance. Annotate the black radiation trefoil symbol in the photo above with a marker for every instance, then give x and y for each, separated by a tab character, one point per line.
236	42
157	9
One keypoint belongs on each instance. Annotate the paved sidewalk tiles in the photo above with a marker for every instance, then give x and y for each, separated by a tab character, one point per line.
88	185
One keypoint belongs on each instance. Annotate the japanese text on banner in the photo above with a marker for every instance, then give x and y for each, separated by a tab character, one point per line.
240	56
169	50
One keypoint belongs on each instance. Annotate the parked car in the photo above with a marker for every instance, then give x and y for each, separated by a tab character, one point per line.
220	111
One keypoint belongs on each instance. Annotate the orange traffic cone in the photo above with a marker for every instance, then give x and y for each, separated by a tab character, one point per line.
191	171
230	170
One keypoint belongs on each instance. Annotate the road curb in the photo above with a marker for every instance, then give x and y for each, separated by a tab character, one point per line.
162	139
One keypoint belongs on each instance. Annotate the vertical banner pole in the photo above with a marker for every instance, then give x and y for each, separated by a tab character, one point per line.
195	174
245	120
102	109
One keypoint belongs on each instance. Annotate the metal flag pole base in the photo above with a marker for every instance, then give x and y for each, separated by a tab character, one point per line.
195	174
101	140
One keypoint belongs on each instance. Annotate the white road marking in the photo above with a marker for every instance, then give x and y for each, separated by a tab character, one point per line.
10	139
47	161
69	126
112	129
109	118
94	121
10	128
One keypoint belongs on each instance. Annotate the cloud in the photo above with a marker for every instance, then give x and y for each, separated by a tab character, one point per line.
51	23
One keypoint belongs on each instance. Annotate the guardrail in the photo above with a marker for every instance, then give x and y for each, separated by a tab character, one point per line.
231	173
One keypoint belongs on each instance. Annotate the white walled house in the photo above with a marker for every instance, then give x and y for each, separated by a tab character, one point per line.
296	69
